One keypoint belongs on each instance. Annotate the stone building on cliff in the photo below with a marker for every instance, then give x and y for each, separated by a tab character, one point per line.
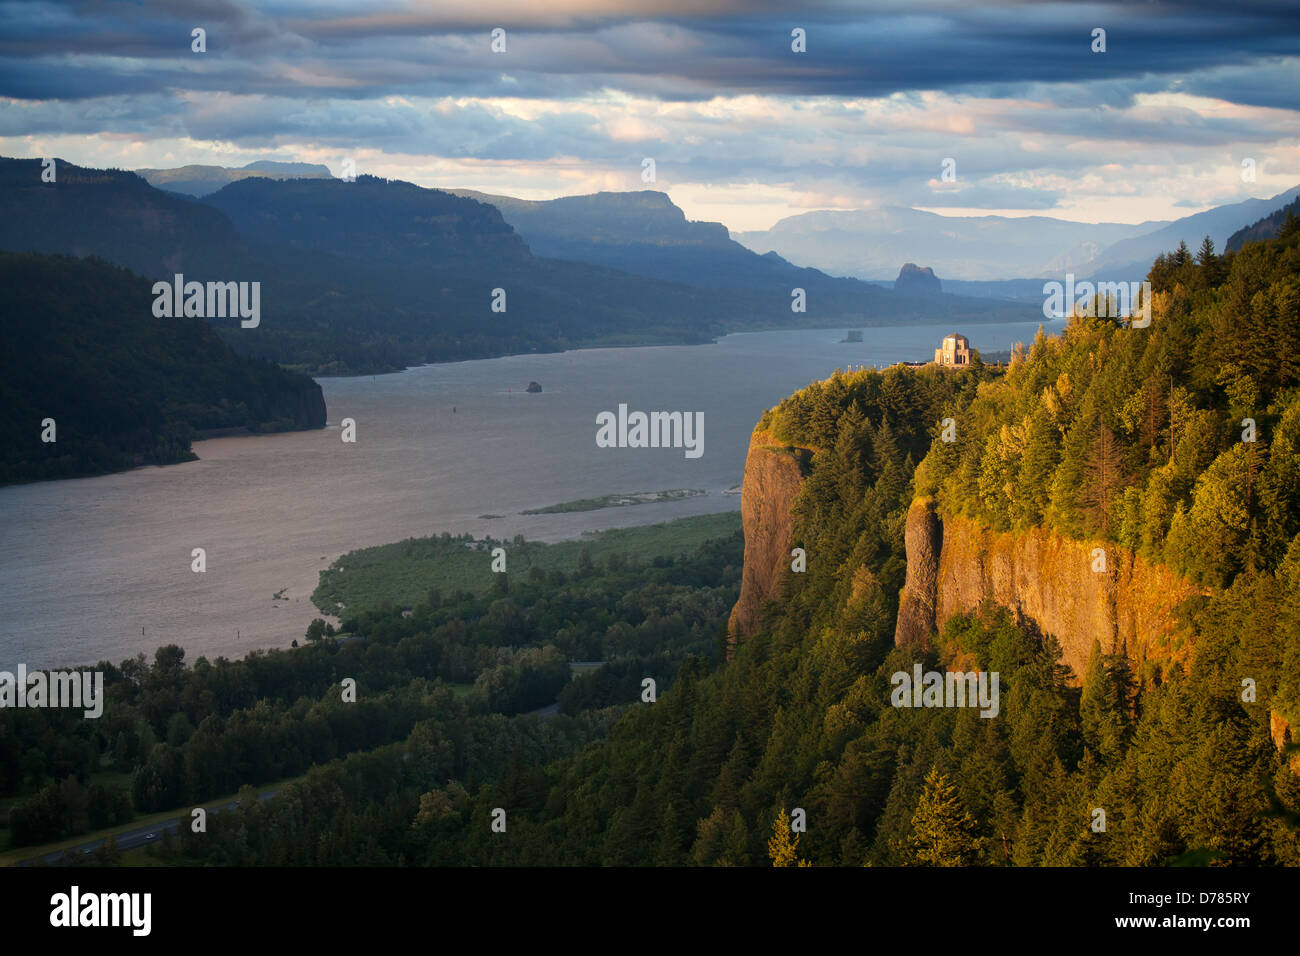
954	352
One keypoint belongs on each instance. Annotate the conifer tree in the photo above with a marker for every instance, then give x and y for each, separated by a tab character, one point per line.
1103	473
943	832
1100	715
783	847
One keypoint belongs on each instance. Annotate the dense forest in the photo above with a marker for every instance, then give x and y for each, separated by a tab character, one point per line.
1180	442
123	387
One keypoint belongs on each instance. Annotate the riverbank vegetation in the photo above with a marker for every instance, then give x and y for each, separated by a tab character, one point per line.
177	733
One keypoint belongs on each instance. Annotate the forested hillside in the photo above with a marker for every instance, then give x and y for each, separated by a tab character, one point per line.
1266	228
1180	442
1143	436
123	387
1184	768
117	216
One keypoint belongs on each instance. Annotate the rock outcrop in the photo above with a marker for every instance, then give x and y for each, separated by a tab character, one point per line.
956	564
914	280
310	411
773	476
923	538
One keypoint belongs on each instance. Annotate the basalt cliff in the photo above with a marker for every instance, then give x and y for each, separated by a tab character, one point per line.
955	564
773	476
1076	591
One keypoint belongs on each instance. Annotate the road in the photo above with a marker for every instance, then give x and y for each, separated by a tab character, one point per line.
130	839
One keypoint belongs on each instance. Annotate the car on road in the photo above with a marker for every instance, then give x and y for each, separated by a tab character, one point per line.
151	836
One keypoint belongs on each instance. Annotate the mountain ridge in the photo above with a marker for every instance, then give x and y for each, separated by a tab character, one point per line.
198	180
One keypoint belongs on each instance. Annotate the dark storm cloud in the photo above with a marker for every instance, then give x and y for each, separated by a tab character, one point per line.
886	90
72	50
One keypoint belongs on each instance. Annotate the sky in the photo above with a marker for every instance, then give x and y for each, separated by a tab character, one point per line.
742	128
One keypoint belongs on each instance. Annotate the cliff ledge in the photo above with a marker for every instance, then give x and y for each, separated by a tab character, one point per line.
955	564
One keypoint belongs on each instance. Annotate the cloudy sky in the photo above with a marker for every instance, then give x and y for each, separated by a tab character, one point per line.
742	129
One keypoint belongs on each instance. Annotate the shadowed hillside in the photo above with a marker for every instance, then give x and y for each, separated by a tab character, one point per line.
124	388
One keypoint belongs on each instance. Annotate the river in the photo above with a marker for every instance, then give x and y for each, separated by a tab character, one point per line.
100	568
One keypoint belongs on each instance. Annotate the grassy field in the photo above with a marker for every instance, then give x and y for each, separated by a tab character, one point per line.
401	574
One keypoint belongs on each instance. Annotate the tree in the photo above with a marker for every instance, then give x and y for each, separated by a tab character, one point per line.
1212	266
783	847
1101	708
1154	410
1038	463
109	854
1103	475
943	832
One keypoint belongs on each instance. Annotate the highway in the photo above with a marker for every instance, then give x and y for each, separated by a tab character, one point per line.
130	839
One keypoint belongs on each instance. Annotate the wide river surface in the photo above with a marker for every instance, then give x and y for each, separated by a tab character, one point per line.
99	568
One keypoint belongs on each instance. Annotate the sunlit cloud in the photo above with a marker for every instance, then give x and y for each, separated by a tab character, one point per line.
742	129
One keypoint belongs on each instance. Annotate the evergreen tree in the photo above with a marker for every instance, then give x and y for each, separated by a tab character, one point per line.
943	832
783	847
1103	476
1211	264
1101	719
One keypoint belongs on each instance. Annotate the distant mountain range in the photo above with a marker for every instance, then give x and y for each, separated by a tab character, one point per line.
202	180
1130	259
375	275
645	234
873	243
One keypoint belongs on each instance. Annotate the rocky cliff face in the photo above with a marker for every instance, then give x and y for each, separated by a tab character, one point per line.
773	477
955	564
924	540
